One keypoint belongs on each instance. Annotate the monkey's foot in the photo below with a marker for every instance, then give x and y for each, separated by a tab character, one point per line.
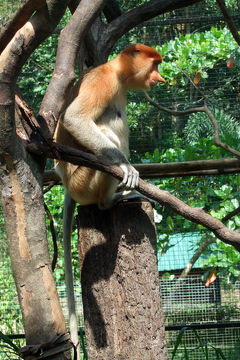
128	196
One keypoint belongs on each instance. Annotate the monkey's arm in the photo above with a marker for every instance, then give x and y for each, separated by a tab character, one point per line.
88	134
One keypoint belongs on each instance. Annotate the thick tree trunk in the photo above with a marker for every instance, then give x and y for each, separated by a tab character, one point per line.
22	202
120	283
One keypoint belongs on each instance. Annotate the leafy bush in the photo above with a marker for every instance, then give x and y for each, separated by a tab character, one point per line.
199	125
197	52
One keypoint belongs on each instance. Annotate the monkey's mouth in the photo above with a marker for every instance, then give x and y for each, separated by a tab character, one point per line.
153	83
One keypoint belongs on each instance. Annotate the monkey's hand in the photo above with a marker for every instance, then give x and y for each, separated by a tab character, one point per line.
130	174
130	178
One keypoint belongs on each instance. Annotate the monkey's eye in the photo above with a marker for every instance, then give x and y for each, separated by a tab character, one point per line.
137	50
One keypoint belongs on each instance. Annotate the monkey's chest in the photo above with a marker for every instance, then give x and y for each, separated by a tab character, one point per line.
113	123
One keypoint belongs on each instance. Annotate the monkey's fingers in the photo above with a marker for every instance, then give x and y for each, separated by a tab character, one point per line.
135	179
129	184
124	168
131	177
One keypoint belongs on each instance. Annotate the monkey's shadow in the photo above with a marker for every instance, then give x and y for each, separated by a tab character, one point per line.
102	235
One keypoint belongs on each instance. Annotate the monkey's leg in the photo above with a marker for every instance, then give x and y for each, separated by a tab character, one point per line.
107	186
109	194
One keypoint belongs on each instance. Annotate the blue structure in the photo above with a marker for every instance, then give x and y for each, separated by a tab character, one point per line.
182	248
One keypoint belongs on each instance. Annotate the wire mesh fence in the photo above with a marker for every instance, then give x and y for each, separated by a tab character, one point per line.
226	339
188	301
185	302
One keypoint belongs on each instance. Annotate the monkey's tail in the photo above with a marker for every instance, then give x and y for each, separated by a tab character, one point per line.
68	212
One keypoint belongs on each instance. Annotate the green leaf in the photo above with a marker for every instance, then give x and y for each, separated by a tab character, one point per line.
178	341
186	357
170	222
6	339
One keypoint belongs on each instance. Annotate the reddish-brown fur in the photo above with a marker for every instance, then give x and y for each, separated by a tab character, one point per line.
149	52
95	121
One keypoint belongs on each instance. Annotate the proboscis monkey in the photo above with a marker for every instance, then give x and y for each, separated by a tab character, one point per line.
95	121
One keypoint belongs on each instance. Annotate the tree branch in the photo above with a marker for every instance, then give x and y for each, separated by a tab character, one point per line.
229	20
30	35
196	215
64	72
216	133
15	54
134	17
189	168
54	237
212	118
19	18
204	109
174	169
231	214
112	10
208	241
173	112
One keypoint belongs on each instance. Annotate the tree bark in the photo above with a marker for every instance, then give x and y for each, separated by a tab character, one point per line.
20	17
120	283
21	195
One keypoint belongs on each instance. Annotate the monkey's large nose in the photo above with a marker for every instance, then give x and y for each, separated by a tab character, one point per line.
156	78
160	78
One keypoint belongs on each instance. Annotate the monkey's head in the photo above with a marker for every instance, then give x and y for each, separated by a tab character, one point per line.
139	67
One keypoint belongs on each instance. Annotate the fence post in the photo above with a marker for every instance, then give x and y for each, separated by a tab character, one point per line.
120	283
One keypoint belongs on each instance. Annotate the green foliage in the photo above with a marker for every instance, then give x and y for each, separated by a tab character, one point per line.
204	347
38	70
126	5
83	344
204	55
9	347
199	125
225	258
197	52
7	8
216	195
11	318
233	4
